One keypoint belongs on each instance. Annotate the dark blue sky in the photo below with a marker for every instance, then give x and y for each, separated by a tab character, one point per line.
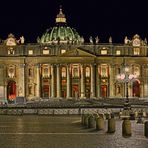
118	18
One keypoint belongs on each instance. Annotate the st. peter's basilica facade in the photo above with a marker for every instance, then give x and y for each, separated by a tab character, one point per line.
61	65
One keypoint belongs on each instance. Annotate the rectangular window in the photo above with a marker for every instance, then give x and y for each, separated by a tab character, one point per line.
103	52
45	51
118	52
136	51
30	52
63	51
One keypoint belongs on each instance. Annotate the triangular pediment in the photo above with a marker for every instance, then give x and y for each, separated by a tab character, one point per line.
77	53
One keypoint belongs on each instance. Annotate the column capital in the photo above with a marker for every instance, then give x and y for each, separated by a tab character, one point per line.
68	65
38	65
22	65
53	65
82	65
58	65
2	66
112	65
93	64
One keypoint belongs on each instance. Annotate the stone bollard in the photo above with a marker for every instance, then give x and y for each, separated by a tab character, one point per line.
102	115
111	125
140	120
146	129
136	114
86	120
99	123
108	116
91	121
126	128
53	112
82	119
144	114
132	116
120	114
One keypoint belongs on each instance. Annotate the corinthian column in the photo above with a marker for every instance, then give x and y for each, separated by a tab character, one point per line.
92	94
58	82
52	81
111	86
38	81
82	82
22	80
68	82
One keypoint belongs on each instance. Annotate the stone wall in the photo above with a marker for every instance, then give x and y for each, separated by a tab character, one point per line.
64	111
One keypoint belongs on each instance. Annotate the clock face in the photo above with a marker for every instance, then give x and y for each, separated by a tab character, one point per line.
136	42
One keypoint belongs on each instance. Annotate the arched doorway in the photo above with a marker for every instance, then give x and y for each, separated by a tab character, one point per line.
75	91
11	91
136	88
103	91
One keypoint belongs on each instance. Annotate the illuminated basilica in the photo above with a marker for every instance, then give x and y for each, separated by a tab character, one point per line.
62	65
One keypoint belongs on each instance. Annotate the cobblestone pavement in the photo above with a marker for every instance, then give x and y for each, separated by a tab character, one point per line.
64	132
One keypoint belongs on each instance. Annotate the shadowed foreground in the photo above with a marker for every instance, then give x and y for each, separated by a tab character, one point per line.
63	132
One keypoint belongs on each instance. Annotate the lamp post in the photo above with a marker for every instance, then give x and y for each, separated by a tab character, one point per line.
125	77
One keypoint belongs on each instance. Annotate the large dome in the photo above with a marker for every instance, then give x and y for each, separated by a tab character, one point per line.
61	33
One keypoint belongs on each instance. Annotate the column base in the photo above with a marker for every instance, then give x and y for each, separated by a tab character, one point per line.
82	97
92	97
69	98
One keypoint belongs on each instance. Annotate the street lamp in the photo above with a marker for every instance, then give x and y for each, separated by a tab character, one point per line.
125	77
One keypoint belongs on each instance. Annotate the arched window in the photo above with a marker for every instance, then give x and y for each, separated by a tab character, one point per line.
11	71
75	72
87	72
137	71
104	70
46	71
63	72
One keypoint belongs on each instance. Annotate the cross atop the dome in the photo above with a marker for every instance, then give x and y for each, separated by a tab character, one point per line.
60	17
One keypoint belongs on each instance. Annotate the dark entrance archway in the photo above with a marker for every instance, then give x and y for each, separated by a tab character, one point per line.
136	88
103	91
75	91
11	91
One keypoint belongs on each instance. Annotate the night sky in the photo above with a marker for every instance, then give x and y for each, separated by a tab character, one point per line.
102	18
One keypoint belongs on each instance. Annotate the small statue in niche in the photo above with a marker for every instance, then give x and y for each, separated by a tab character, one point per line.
11	72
